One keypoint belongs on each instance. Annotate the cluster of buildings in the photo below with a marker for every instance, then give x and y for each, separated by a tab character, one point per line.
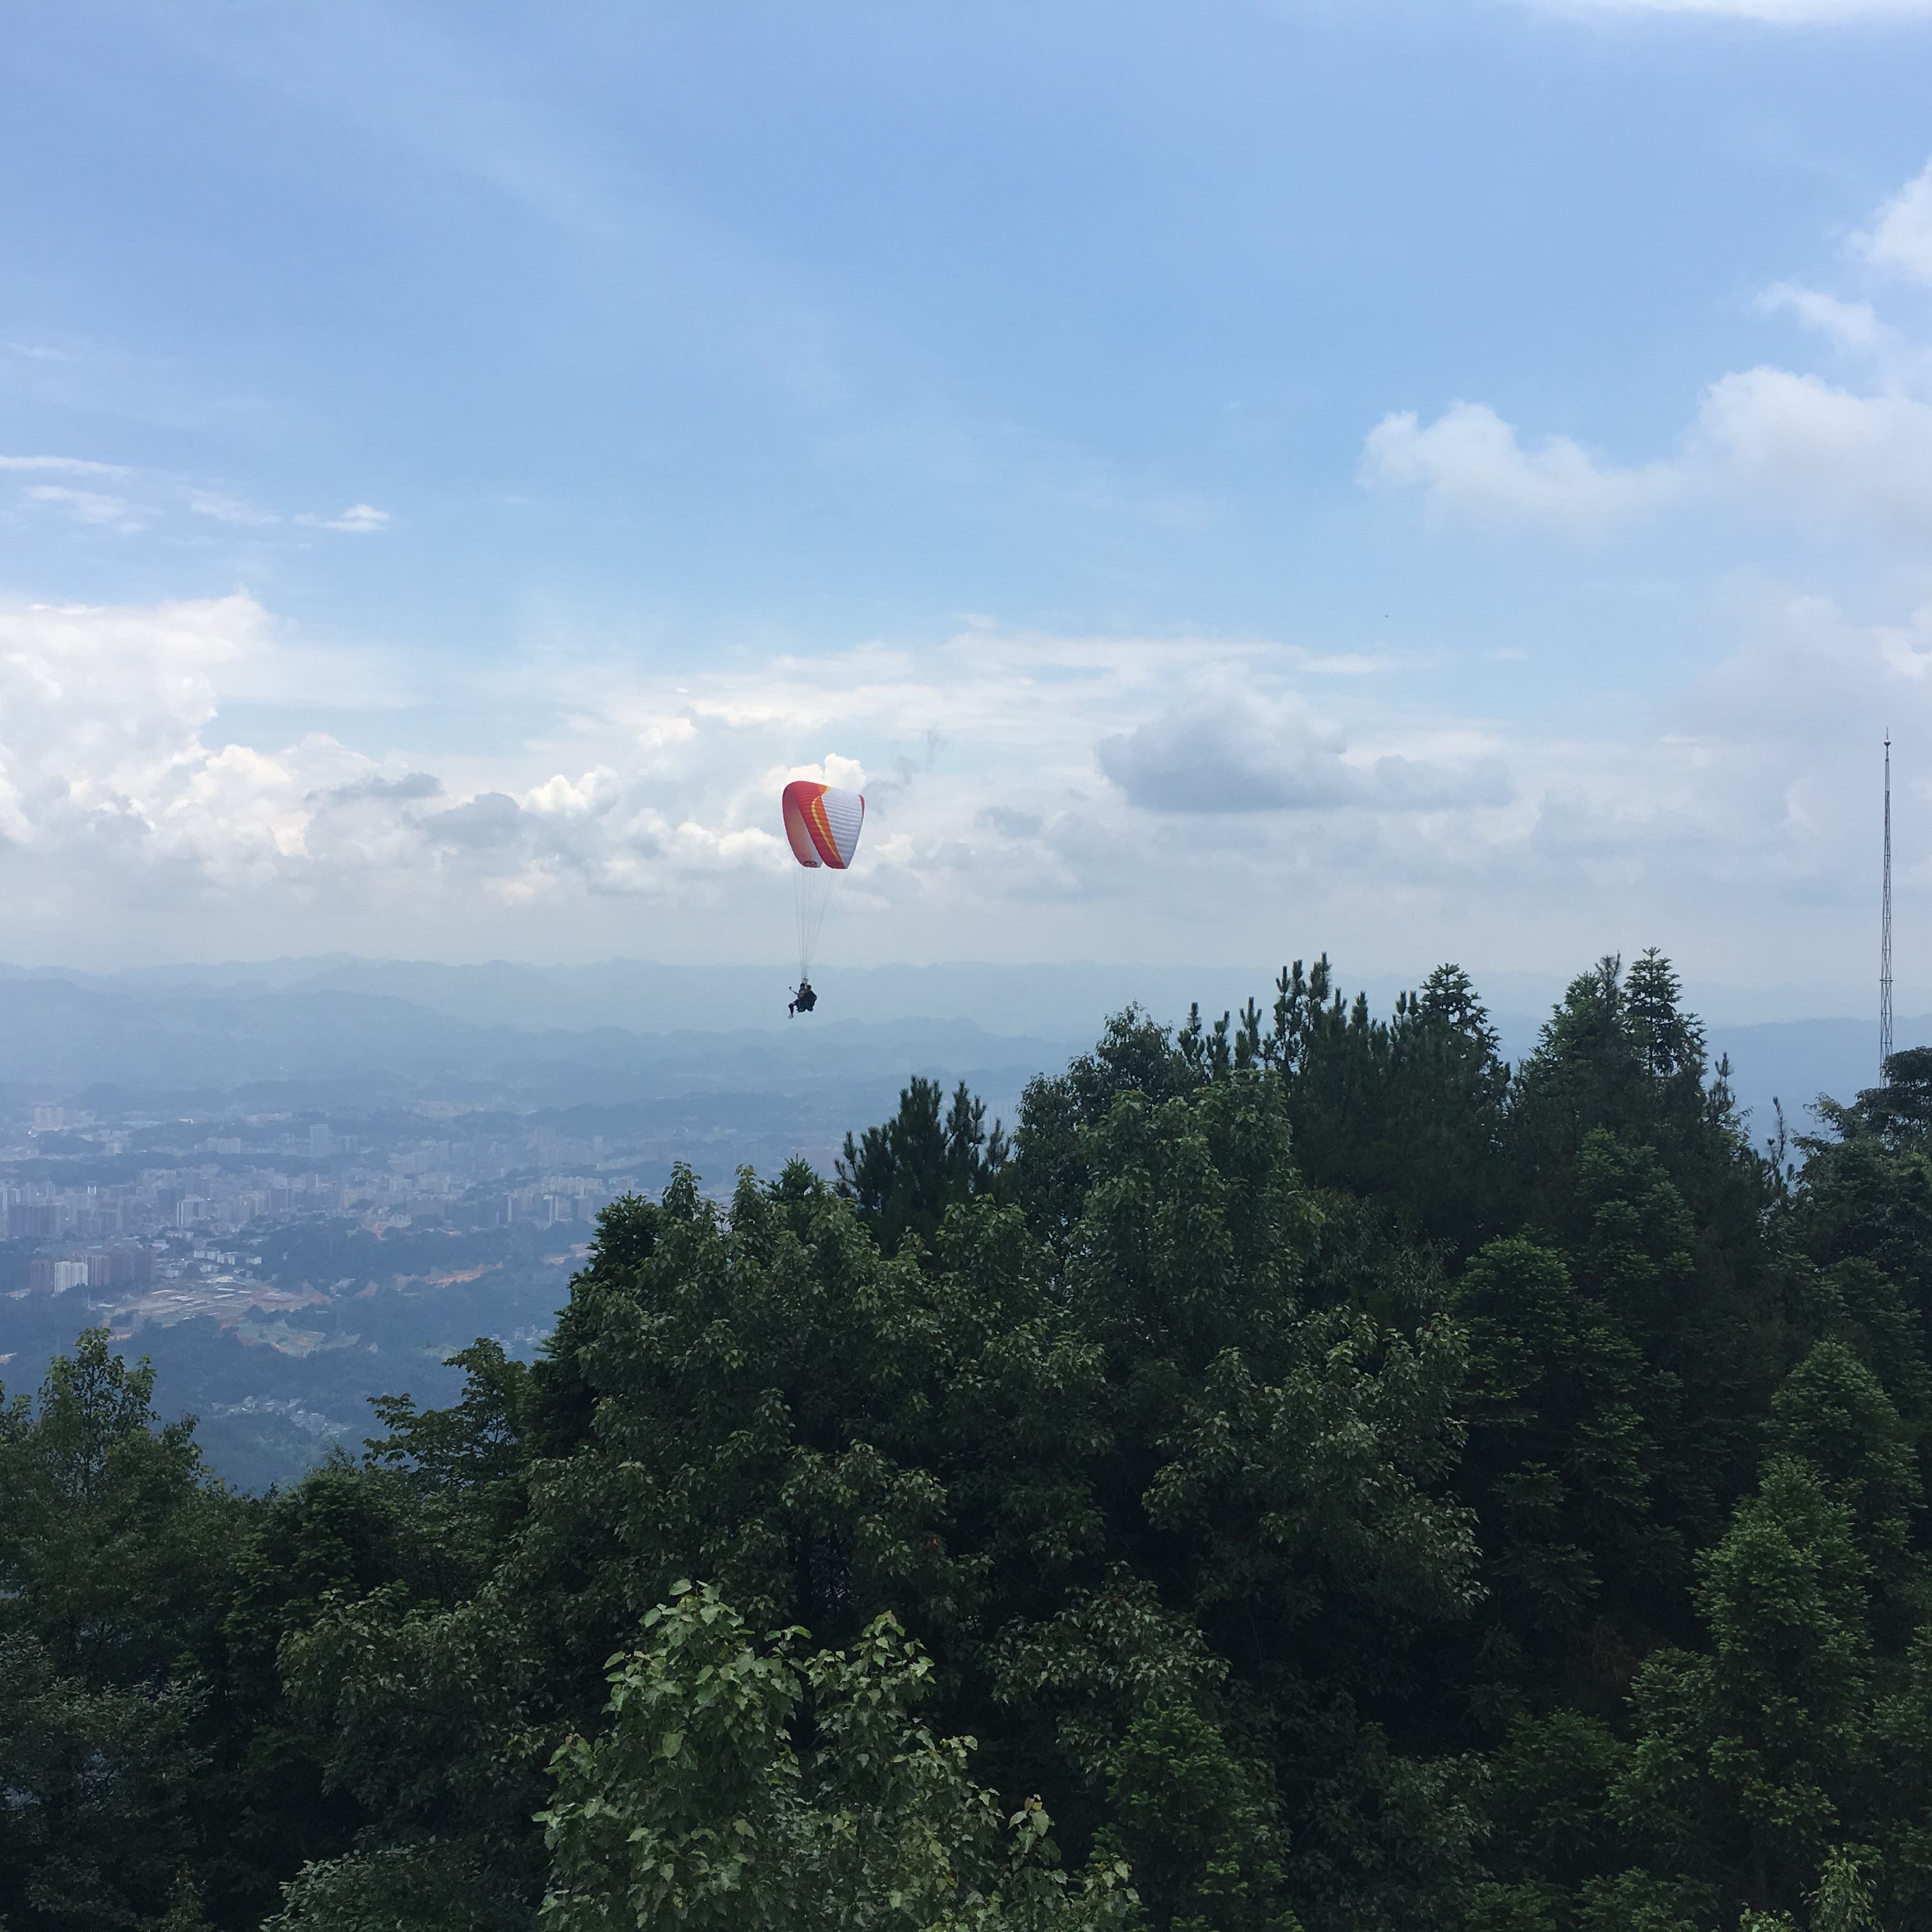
158	1201
124	1267
117	1204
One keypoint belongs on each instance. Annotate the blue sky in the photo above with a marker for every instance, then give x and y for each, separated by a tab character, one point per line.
1229	479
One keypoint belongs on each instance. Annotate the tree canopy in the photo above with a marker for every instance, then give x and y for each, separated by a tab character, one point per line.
1308	1477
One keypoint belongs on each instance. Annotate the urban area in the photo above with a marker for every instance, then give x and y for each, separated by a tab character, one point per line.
280	1269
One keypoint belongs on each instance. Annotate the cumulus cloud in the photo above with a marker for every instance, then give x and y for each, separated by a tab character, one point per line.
115	780
410	785
1761	440
1852	326
1155	783
1765	436
1801	441
358	520
1470	461
102	711
1226	750
1222	752
1900	239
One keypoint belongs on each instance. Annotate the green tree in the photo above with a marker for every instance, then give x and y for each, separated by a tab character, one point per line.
1050	1174
1834	1412
905	1174
1350	1484
98	1792
115	1541
116	1551
1862	1213
697	1804
976	1437
1558	1470
1406	1114
1747	1755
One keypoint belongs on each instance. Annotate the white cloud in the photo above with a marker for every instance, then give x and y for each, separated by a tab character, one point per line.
71	465
589	796
1761	440
88	506
1114	796
102	711
116	787
113	767
1852	326
1757	783
234	511
1245	786
357	520
1221	754
1821	13
1900	240
1470	462
1765	433
153	497
1226	748
1801	441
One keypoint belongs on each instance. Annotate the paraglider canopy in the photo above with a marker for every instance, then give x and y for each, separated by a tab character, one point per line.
822	823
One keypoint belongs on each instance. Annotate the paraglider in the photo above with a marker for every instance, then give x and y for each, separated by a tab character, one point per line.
822	823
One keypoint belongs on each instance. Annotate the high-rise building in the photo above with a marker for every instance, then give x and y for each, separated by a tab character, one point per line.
117	1267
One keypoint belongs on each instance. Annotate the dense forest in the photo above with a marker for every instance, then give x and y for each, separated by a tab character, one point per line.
1309	1475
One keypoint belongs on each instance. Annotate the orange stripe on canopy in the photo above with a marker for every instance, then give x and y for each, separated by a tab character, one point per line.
809	826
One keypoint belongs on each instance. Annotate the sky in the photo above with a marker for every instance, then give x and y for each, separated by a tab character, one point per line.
1227	481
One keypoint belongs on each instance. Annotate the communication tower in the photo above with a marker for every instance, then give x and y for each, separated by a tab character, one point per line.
1885	929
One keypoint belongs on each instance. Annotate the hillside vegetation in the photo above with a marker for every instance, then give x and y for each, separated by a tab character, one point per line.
1310	1476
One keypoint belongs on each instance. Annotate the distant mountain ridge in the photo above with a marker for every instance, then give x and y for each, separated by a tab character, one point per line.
1067	999
551	1036
59	1038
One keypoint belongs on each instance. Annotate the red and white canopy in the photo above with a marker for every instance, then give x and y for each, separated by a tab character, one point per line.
822	822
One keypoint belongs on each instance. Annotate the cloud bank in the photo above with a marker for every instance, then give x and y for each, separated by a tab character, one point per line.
1032	795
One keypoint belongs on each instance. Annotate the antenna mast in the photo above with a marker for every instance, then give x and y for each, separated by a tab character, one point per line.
1885	929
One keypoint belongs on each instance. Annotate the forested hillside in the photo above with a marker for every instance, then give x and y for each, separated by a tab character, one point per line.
1309	1474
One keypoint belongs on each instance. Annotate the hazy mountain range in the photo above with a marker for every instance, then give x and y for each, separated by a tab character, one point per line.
315	1031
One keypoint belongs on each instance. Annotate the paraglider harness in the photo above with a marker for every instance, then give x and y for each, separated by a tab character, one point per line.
804	999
